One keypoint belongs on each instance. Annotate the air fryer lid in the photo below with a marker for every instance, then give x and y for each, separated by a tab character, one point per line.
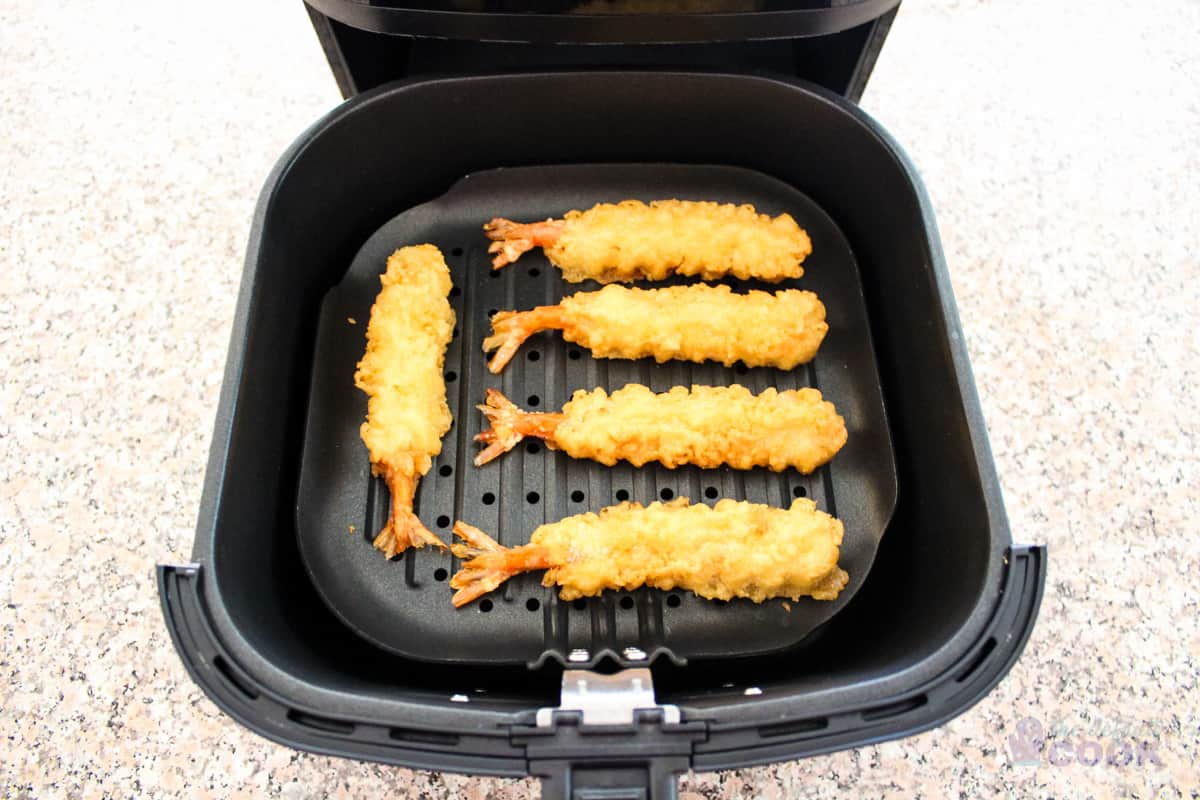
404	605
606	21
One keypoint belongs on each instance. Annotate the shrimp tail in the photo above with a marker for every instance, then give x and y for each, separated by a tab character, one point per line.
510	240
509	426
403	529
487	564
510	329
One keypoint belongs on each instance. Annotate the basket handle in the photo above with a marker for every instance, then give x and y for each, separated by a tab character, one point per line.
652	780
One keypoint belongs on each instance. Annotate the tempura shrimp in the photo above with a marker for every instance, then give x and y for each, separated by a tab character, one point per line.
690	323
706	426
735	549
632	240
401	372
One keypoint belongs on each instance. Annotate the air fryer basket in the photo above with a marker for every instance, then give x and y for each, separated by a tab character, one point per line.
949	601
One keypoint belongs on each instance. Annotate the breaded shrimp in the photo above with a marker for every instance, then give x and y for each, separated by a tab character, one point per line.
401	372
735	549
631	240
707	426
690	323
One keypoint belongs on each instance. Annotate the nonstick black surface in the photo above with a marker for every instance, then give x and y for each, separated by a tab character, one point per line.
403	605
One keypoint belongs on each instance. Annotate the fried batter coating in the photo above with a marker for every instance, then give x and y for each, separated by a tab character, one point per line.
631	240
735	549
707	426
401	372
689	323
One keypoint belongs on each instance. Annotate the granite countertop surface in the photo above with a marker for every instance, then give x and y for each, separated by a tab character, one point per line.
1062	152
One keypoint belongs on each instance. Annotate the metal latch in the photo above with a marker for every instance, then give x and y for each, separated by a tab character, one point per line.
607	699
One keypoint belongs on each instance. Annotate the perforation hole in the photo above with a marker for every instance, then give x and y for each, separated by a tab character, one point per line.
485	605
491	313
666	493
451	376
534	355
440	574
674	601
533	604
622	495
455	334
799	491
455	291
627	602
576	496
443	521
741	369
711	493
488	498
445	470
494	273
533	448
574	354
579	605
458	251
533	273
533	400
532	498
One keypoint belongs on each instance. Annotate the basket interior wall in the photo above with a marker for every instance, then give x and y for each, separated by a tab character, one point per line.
406	145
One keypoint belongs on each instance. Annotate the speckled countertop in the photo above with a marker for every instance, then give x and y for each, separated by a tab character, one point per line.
1062	151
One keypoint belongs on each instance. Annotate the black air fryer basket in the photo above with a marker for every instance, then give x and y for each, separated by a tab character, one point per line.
300	630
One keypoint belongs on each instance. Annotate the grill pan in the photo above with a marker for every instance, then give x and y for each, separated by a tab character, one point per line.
404	605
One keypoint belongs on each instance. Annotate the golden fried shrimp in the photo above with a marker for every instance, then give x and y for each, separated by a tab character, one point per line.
707	426
735	549
632	240
401	372
689	323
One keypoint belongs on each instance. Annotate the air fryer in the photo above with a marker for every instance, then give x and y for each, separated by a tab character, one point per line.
542	110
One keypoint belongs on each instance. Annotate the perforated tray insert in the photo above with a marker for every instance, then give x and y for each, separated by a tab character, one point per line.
403	604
